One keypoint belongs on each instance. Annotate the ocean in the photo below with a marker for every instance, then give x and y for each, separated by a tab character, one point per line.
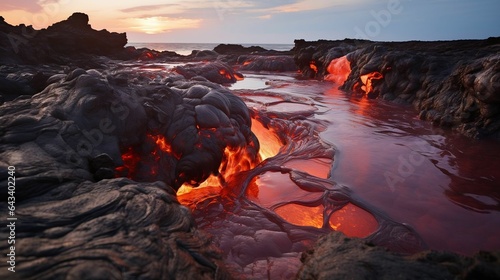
186	48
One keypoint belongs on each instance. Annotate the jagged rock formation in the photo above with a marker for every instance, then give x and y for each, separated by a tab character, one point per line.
453	84
60	42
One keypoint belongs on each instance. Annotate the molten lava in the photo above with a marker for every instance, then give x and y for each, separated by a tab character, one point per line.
302	215
272	144
339	70
142	162
367	82
161	143
353	221
313	66
280	190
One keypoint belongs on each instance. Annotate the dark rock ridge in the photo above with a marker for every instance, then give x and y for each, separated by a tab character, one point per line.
58	43
217	72
337	257
237	49
451	83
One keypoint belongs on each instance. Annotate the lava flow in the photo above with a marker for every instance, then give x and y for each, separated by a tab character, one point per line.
339	70
367	83
284	192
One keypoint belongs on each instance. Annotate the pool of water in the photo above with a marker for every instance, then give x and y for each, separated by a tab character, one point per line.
442	184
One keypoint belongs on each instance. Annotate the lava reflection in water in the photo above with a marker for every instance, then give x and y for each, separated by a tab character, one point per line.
326	154
290	194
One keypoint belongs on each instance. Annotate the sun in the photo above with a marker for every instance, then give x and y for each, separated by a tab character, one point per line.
157	24
151	25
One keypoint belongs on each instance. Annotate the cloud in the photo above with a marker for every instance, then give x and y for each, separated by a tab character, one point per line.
265	17
306	5
147	8
24	5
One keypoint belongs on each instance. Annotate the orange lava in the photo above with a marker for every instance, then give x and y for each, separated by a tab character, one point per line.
353	221
339	70
161	143
367	82
131	157
268	189
225	74
350	220
270	144
247	62
313	66
302	215
130	161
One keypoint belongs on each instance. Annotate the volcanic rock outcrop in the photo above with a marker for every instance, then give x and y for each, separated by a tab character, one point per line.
335	256
451	83
65	143
61	42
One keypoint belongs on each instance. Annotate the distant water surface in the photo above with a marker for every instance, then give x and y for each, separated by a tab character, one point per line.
187	48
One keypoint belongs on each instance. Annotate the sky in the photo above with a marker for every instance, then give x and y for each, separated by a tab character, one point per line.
269	21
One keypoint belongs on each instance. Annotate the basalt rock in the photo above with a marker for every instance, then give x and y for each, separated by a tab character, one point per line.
237	49
452	83
217	72
271	63
59	43
337	257
66	143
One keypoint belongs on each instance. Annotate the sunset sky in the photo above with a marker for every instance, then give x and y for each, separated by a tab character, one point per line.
270	21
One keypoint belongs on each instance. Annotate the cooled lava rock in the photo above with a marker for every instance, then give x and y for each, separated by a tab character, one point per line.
451	83
70	38
237	49
335	256
65	143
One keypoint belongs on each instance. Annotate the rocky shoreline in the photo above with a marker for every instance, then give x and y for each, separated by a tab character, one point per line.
451	83
70	110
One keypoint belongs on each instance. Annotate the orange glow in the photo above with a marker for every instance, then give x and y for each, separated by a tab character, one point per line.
238	76
130	161
161	143
131	157
367	81
313	66
319	167
190	198
302	215
339	70
159	24
247	62
353	221
270	145
225	74
234	161
270	187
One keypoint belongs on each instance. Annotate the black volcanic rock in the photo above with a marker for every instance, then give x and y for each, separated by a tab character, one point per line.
337	257
237	49
217	72
75	35
59	43
452	83
272	63
65	143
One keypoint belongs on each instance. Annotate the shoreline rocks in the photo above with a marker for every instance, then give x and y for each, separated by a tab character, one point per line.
453	84
336	256
59	43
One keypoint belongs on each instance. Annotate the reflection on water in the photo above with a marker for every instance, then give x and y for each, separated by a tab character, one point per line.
444	185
